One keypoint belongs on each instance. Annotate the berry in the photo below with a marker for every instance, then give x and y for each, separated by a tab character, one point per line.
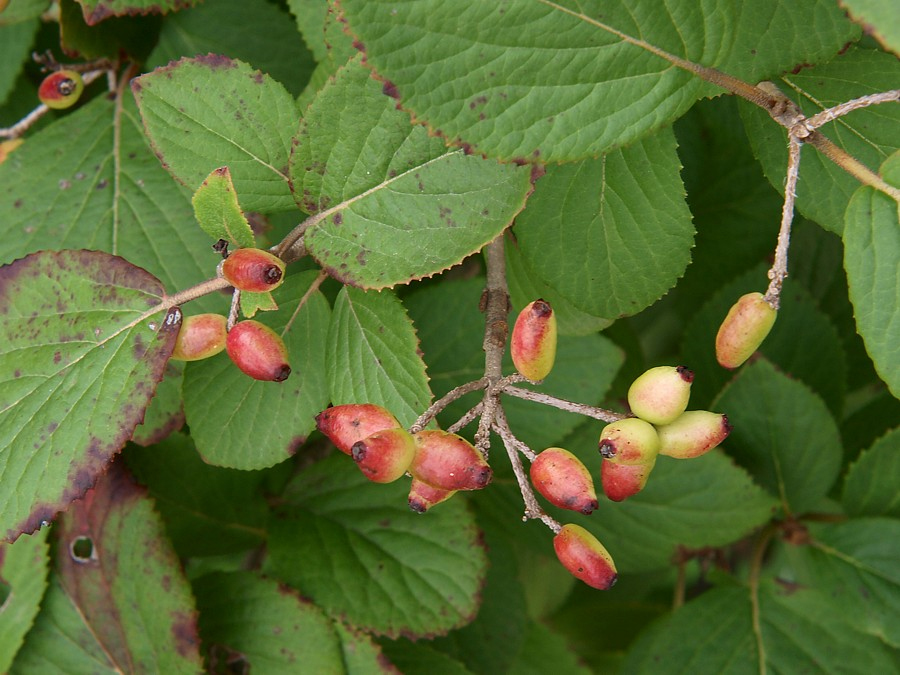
258	351
449	462
694	433
385	455
585	557
423	496
661	394
621	481
629	441
533	343
745	327
201	336
6	147
346	424
253	270
563	480
61	89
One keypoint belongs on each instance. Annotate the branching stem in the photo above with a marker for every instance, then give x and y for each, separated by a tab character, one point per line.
562	404
779	270
435	408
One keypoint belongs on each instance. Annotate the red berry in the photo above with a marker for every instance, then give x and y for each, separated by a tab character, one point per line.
258	351
563	480
621	481
253	270
423	496
201	336
346	424
385	455
61	89
585	557
449	462
533	342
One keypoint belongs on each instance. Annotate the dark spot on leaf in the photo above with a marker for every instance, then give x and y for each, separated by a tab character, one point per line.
390	89
337	218
215	61
359	45
258	77
17	204
184	631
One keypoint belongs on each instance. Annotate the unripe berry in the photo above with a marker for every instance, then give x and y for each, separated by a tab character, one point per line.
629	441
253	270
346	424
563	480
200	336
449	462
385	455
533	342
693	434
423	496
745	327
585	557
661	394
61	89
258	351
621	481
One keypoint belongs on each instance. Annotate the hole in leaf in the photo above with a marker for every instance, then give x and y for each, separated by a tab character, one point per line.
82	550
224	660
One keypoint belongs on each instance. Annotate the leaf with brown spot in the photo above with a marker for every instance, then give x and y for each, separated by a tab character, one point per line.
96	11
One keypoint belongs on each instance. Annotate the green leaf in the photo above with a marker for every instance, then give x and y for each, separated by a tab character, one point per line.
545	652
224	408
210	111
310	17
21	10
372	355
879	18
81	356
23	579
419	658
371	561
164	414
251	303
613	234
273	629
869	135
872	261
96	11
392	203
126	35
584	77
783	434
870	488
15	42
362	655
218	212
112	555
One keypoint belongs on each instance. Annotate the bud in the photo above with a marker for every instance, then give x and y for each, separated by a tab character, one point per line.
533	342
693	434
449	462
629	441
661	394
585	557
253	270
346	424
385	455
200	336
61	89
423	496
621	481
563	480
258	351
745	327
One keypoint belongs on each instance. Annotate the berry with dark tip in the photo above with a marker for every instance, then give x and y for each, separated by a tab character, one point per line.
423	496
533	342
585	557
346	424
200	336
258	351
694	433
629	441
449	462
563	480
61	89
661	394
745	327
253	270
385	455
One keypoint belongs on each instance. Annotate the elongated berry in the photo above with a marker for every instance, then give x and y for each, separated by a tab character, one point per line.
385	455
346	424
423	496
629	441
61	89
253	270
745	327
621	481
563	480
449	462
258	351
585	557
694	433
533	342
661	394
201	336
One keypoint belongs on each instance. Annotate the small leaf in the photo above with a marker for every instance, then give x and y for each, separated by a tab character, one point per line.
23	579
251	303
870	488
82	353
218	212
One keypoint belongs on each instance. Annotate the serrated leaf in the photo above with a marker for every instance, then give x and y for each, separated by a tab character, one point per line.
23	579
272	628
783	434
82	352
126	35
870	488
362	656
594	77
370	560
392	203
419	658
879	18
224	407
251	303
96	11
872	261
20	10
112	551
165	413
209	111
218	212
611	235
15	41
371	355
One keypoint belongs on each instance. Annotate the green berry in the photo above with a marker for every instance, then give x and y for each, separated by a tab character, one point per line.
629	441
661	394
694	433
745	327
61	89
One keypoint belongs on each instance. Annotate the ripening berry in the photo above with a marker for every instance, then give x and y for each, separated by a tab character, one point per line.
61	89
449	462
6	147
200	336
694	433
258	351
253	270
563	480
629	441
346	424
661	394
423	496
385	455
621	481
585	557
533	342
745	327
